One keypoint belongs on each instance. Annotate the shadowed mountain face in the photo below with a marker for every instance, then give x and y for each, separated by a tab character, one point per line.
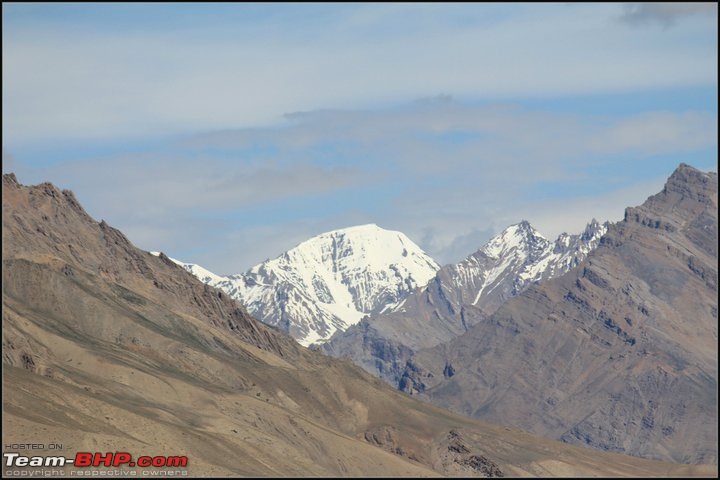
619	354
107	348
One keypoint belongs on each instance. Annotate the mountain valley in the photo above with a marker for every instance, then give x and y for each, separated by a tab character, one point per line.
107	348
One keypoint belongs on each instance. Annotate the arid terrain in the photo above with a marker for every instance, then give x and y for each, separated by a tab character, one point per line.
619	354
107	347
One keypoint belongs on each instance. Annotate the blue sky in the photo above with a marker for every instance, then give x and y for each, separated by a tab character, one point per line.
224	134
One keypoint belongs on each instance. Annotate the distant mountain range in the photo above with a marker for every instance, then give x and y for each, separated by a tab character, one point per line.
461	295
612	332
320	290
109	348
328	282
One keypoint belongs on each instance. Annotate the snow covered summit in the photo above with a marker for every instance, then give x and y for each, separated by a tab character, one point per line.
330	281
518	257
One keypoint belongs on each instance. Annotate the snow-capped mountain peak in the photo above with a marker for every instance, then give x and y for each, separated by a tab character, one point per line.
462	295
515	258
359	248
520	238
330	281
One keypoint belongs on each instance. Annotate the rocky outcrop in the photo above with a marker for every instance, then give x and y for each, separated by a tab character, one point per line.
457	452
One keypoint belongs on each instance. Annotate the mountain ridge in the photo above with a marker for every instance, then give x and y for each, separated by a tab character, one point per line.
461	295
109	348
619	354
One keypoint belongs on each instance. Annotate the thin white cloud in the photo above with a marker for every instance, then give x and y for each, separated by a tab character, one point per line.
147	187
659	132
666	14
550	135
60	82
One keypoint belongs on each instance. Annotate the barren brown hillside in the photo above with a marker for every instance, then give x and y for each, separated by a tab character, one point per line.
106	347
620	354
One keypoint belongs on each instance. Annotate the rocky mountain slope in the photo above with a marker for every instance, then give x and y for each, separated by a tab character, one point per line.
619	354
461	295
109	348
329	282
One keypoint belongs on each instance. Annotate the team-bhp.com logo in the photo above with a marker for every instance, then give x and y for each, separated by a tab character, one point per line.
97	459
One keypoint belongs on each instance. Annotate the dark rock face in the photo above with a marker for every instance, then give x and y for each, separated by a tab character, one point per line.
386	437
460	453
620	354
373	350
